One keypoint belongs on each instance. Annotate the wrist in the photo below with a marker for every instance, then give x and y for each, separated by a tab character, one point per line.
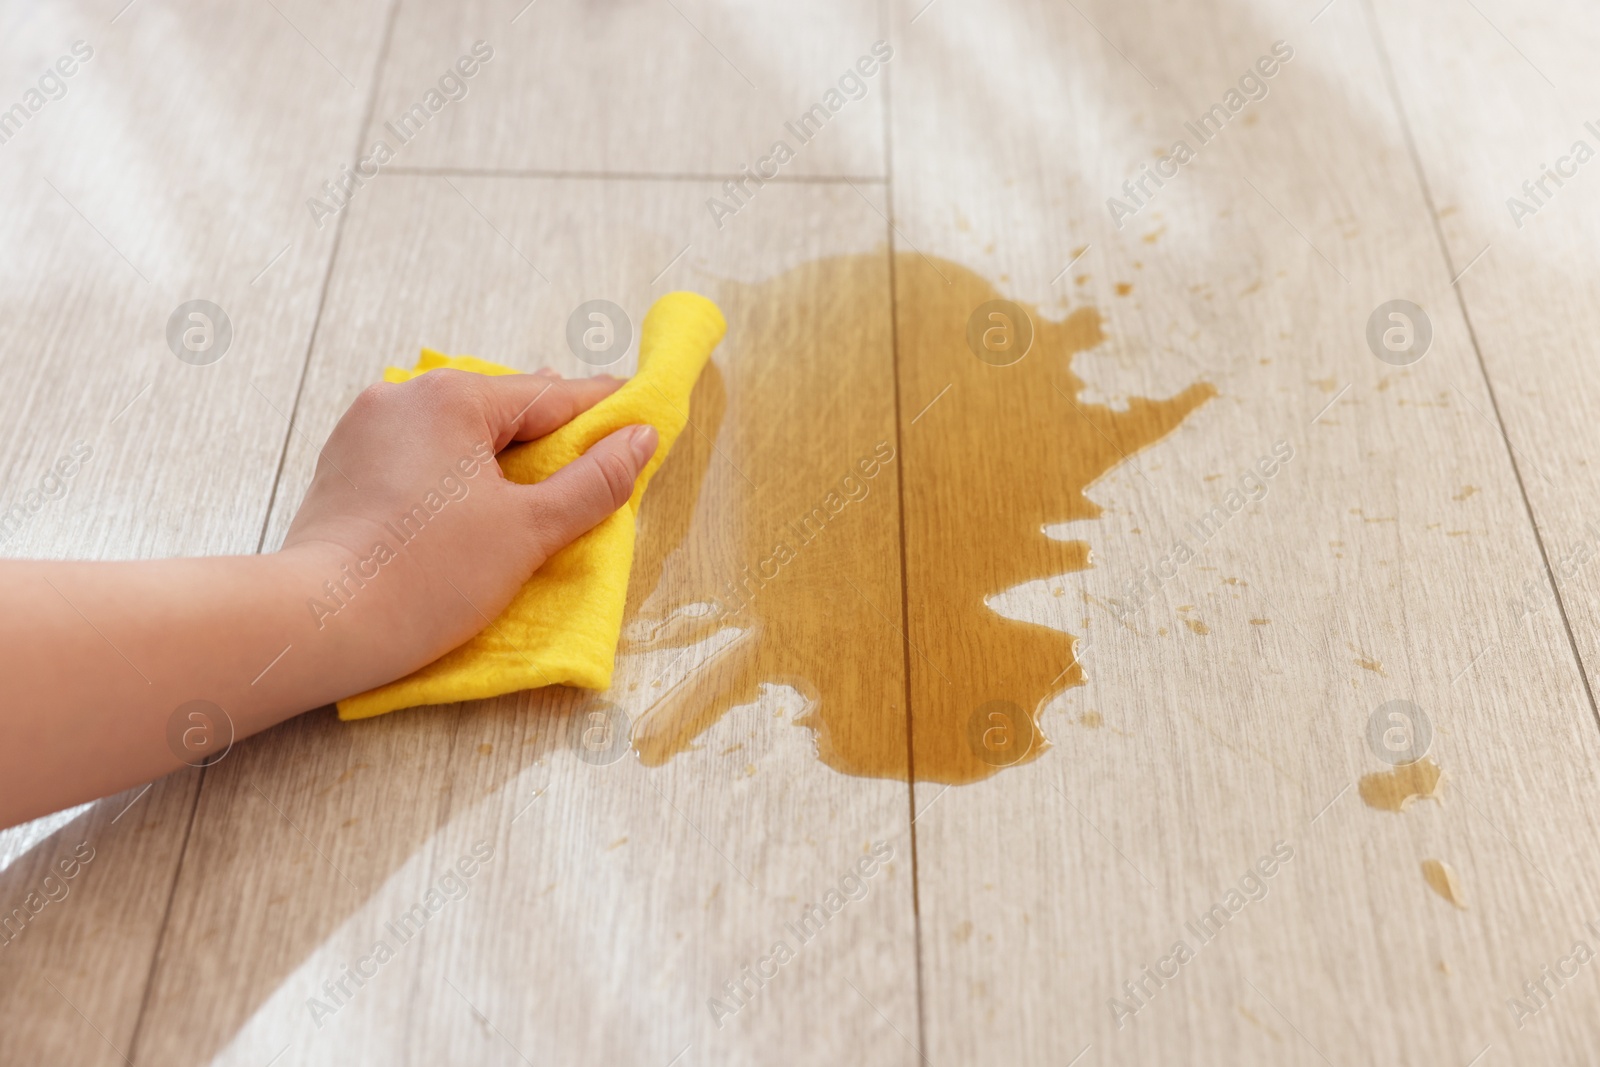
318	662
351	622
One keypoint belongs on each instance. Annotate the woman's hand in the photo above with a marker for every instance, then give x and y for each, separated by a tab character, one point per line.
409	541
419	533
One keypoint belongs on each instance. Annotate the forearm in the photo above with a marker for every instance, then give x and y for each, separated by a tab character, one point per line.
409	541
98	657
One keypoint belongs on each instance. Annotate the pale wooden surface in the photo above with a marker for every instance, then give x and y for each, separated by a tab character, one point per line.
168	147
1238	738
776	825
620	897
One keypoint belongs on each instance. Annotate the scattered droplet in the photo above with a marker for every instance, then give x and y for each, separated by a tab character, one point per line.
1394	790
1441	878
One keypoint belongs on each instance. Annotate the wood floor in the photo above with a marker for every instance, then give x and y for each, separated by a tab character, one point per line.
1247	562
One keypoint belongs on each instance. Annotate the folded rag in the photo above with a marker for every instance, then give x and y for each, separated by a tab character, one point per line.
562	627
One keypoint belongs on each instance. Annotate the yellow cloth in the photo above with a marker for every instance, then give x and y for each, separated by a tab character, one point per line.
562	627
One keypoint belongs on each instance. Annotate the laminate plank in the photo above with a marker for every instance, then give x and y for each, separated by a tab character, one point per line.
1224	717
619	897
1502	141
84	909
160	177
170	165
637	88
1224	714
1487	126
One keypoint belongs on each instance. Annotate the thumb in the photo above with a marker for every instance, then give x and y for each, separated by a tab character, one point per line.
579	496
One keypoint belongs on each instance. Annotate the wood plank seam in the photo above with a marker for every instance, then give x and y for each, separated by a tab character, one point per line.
1477	349
631	176
885	11
166	918
322	298
283	451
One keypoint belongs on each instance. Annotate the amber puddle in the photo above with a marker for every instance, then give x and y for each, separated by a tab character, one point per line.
792	585
1395	790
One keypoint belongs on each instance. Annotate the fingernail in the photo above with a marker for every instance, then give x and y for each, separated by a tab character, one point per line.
644	440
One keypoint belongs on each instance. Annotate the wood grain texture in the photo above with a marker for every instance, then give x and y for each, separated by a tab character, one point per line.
1526	258
1496	119
75	951
591	912
1227	712
163	176
620	884
164	172
637	87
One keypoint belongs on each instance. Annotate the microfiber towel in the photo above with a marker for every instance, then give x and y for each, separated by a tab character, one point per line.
562	626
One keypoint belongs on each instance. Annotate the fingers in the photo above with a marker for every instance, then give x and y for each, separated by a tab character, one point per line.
580	495
521	407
